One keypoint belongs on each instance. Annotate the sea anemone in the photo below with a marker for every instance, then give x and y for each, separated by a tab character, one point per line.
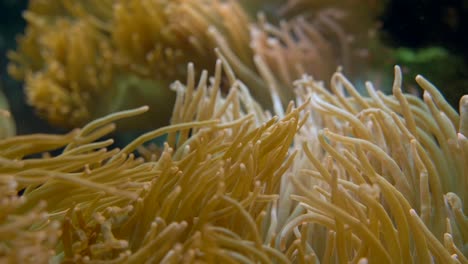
192	201
340	177
384	176
260	162
82	60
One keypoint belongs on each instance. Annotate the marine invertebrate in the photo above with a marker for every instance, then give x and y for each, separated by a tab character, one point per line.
187	203
385	177
18	243
126	53
118	50
67	74
232	183
376	178
350	29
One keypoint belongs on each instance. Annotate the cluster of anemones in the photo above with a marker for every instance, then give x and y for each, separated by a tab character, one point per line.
82	60
334	177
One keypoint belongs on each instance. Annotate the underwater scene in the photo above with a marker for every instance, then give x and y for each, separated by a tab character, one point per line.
233	131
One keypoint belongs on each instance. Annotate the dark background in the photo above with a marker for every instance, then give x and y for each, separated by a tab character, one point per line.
414	24
419	23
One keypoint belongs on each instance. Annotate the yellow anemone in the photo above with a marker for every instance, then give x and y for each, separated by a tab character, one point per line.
82	60
341	177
